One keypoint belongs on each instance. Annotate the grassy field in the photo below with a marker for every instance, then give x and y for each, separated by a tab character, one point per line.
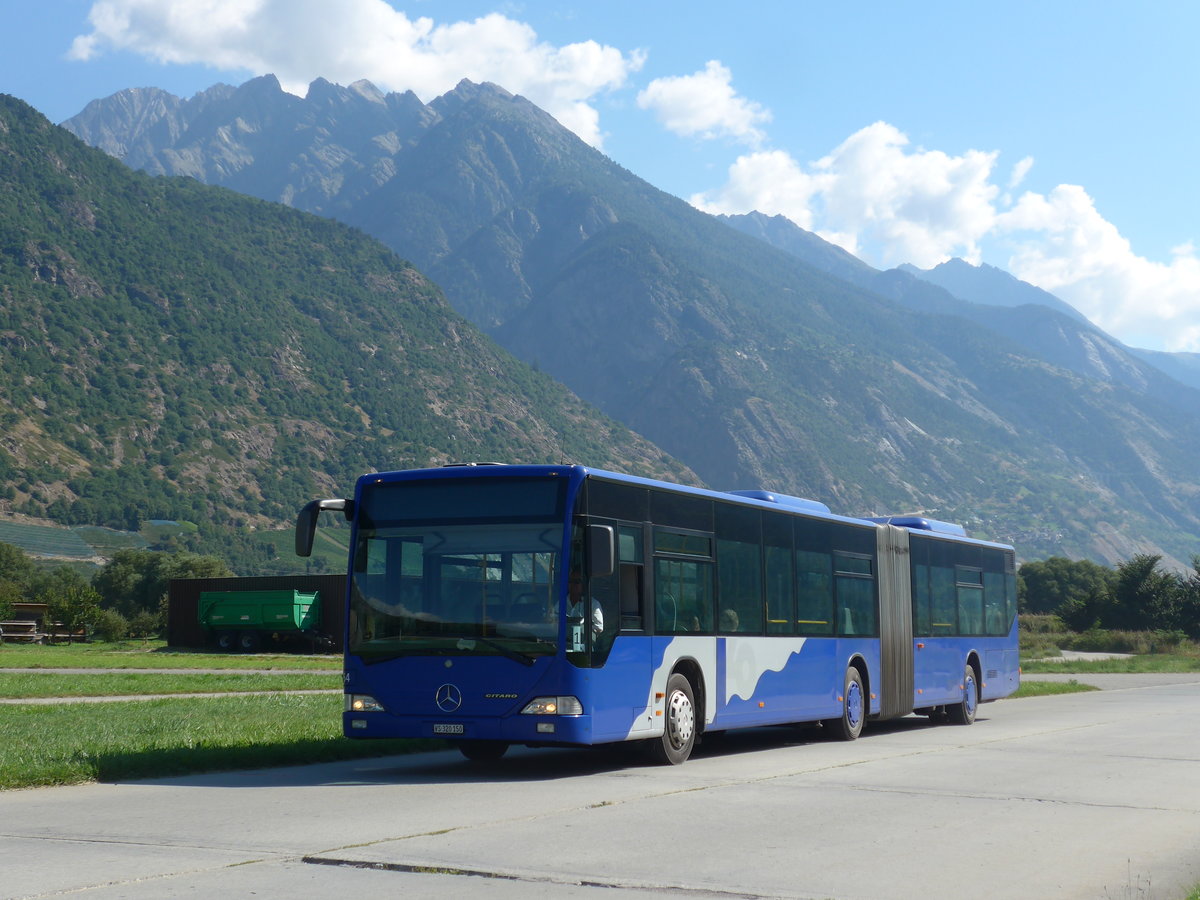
74	743
117	683
1149	663
1050	688
70	743
151	655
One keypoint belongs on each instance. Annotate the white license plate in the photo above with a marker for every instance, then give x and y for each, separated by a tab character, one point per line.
448	728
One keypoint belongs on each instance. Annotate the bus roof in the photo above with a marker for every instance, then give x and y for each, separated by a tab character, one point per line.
757	497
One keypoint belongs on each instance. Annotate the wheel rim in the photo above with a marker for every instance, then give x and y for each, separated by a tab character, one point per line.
971	698
854	704
681	720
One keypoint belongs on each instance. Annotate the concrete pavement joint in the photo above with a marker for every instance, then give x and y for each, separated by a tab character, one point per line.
438	869
1007	798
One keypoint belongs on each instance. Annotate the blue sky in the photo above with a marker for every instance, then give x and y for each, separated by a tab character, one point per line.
1057	140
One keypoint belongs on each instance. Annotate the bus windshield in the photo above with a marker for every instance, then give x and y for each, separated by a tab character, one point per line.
455	589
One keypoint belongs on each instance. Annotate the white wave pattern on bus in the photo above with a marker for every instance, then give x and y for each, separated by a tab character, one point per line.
703	651
748	659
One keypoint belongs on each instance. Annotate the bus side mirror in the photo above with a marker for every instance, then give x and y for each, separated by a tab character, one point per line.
306	521
601	550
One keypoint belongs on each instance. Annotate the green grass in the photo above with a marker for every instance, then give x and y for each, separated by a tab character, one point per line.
1149	663
151	655
25	685
79	742
1049	688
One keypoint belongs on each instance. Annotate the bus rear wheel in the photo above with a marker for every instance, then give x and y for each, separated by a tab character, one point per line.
679	725
963	712
483	751
854	709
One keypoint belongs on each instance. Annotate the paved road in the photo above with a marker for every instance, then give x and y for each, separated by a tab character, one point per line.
1091	795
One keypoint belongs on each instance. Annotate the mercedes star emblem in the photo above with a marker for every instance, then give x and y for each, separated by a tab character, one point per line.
448	698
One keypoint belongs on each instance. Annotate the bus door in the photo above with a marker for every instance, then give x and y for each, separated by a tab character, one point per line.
621	653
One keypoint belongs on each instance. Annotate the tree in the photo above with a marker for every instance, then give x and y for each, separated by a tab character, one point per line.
1189	605
1064	586
10	593
136	581
15	566
69	597
16	570
120	582
1145	598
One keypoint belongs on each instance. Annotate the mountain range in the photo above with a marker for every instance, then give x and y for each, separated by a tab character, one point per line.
171	350
753	352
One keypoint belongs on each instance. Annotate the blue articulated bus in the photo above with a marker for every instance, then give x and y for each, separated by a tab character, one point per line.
561	605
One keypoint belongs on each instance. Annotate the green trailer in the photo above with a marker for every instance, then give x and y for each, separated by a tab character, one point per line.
246	620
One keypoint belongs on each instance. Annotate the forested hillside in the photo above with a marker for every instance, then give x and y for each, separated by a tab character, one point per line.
171	350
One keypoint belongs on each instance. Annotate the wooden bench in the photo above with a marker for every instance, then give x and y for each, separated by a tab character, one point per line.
22	631
58	633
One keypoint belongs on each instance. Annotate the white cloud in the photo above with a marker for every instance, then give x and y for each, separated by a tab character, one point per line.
1063	245
889	203
705	105
1019	171
771	182
873	196
345	40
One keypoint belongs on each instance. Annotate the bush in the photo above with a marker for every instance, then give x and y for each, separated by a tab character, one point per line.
1042	636
1031	623
110	626
146	624
1097	640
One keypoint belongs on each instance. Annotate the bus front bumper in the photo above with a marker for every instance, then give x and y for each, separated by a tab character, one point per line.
516	729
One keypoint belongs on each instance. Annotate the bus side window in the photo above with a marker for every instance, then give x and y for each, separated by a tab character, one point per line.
683	596
779	574
854	583
739	569
629	556
969	585
814	601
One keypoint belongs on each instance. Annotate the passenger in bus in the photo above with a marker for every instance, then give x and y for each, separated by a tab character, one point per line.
729	620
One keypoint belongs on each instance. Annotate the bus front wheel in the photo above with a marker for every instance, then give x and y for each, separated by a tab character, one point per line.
963	712
854	708
679	723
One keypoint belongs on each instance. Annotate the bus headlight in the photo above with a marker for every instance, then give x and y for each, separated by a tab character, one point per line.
362	703
553	706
